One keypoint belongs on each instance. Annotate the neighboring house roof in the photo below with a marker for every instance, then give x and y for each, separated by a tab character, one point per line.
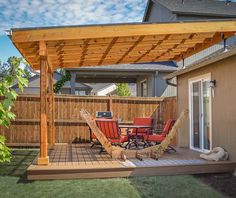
99	86
168	66
77	85
34	81
199	7
215	57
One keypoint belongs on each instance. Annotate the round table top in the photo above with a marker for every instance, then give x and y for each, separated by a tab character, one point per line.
134	126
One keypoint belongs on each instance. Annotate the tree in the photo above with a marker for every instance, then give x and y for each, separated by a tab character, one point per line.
10	73
123	89
28	71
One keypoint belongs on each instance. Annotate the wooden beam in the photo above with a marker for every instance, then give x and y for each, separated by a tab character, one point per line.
103	31
169	51
151	49
42	49
130	49
59	52
43	156
50	65
108	50
85	48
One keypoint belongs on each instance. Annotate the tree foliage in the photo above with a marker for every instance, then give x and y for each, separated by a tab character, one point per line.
10	73
60	83
5	154
28	71
123	89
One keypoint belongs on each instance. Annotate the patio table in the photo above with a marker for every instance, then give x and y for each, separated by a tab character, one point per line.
135	127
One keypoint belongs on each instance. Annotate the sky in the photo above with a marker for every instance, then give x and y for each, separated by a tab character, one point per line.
34	13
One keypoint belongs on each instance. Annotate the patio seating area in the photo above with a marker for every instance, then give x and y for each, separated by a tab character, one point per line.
66	119
81	161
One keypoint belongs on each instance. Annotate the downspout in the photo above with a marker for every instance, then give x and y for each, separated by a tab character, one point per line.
168	79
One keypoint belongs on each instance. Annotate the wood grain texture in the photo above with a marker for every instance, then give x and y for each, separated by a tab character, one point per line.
69	126
43	158
69	47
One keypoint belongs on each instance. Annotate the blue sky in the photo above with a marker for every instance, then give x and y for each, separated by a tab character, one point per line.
33	13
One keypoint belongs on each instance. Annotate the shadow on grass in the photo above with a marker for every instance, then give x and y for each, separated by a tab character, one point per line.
21	159
204	185
222	182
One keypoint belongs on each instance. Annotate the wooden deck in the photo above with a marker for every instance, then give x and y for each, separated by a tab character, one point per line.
80	161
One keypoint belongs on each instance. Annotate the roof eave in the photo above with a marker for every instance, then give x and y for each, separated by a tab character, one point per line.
122	70
205	14
147	10
201	64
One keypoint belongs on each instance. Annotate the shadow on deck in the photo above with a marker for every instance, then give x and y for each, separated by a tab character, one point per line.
70	161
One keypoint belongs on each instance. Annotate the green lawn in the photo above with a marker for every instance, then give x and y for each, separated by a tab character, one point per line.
14	184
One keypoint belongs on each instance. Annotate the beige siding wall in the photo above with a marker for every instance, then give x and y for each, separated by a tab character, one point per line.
223	104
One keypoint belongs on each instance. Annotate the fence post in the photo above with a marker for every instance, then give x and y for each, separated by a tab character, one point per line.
110	103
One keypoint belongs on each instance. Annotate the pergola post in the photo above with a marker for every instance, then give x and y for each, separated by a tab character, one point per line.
51	110
43	157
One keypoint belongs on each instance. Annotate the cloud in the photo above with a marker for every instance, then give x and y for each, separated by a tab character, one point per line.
32	13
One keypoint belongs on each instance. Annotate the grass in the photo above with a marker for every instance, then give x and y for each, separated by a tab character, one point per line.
14	184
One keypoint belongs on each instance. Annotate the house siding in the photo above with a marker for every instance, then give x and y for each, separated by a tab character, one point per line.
159	13
162	88
170	91
223	108
156	86
149	80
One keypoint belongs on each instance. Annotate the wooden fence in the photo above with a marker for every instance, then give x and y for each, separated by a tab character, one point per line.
69	125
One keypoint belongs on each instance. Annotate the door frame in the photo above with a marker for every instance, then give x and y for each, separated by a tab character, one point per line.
190	81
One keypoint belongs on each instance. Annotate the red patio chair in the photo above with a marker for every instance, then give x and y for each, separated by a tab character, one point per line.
142	131
110	129
93	137
158	138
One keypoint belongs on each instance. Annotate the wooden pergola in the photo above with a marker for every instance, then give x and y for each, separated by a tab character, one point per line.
51	48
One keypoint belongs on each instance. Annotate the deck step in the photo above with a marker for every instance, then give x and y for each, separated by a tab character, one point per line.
70	172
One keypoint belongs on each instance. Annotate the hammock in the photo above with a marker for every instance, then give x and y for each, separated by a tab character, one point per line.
117	152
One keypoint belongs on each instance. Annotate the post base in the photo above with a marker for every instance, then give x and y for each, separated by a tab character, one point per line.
43	161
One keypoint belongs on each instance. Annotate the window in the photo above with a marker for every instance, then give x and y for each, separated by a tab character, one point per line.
144	88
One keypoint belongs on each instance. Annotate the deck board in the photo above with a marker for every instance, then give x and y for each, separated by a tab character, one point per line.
69	161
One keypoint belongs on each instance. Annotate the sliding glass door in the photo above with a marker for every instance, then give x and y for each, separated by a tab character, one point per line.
200	113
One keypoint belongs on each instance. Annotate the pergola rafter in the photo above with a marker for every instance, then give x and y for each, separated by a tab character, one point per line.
68	47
